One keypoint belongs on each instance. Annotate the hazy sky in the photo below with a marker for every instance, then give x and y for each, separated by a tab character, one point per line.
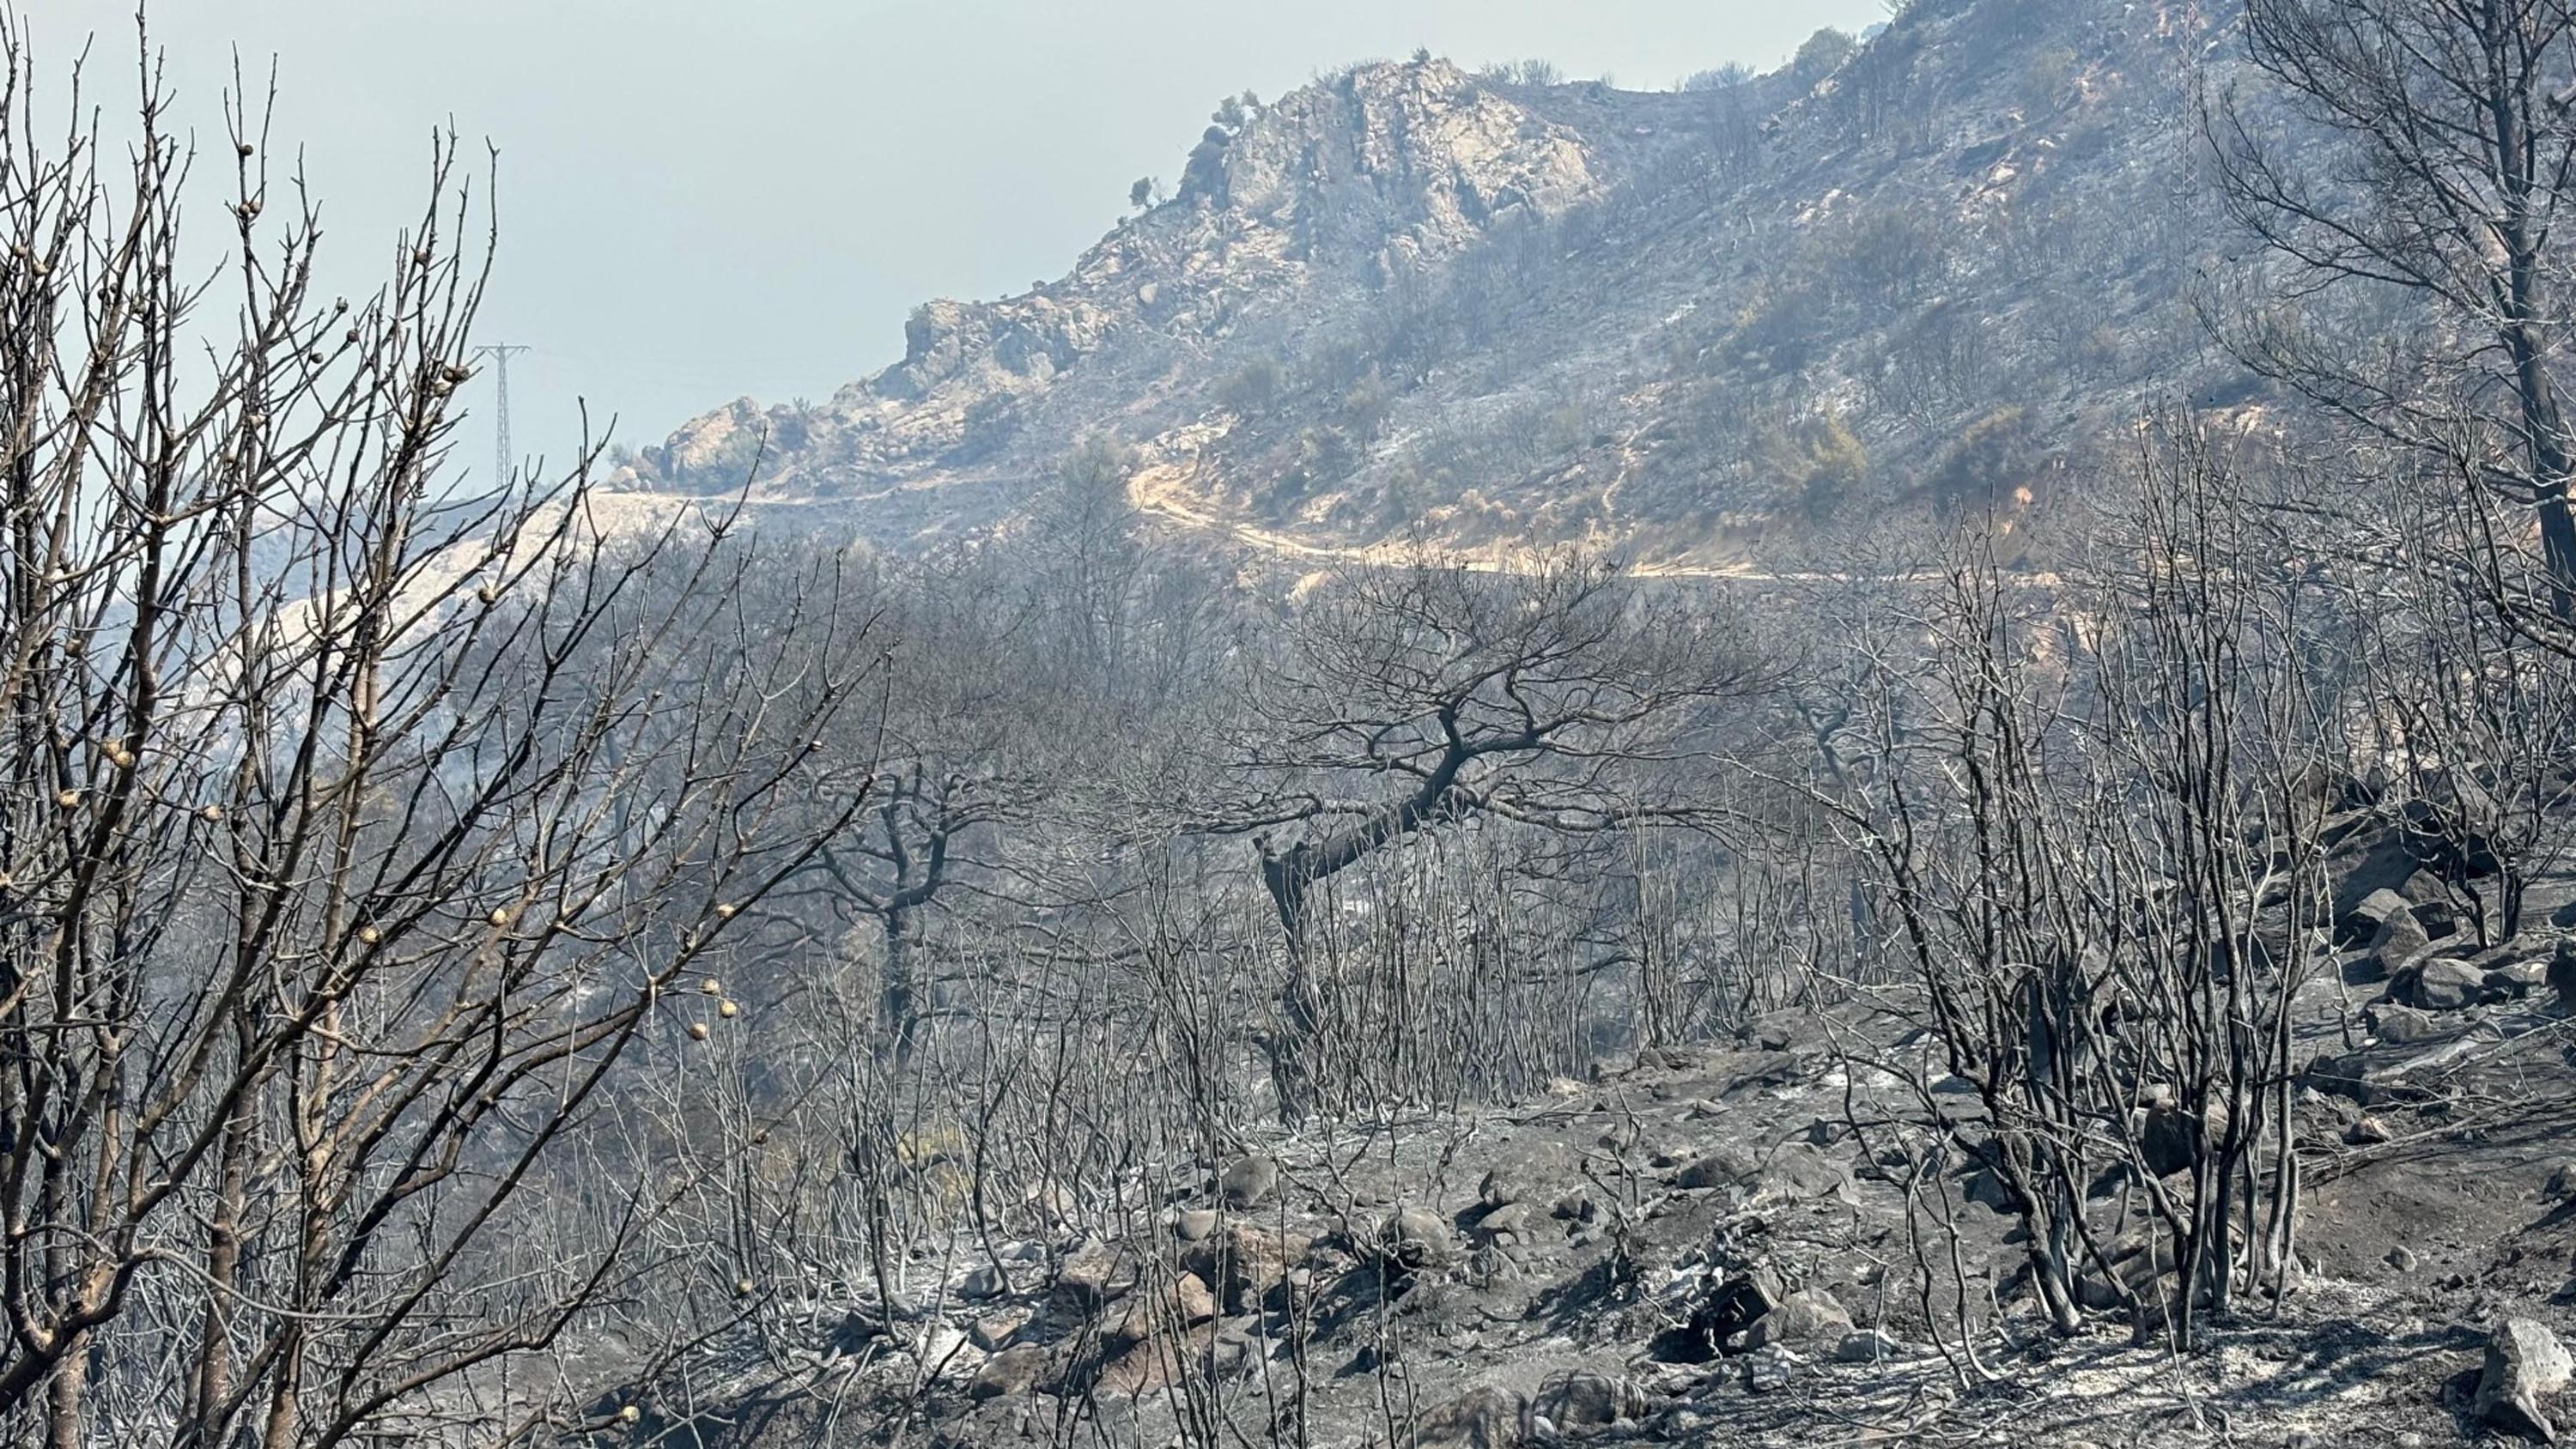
707	198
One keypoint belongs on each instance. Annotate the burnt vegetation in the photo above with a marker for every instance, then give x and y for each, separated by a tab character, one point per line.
547	963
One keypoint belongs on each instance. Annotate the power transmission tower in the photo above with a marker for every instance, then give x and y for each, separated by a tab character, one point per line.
500	352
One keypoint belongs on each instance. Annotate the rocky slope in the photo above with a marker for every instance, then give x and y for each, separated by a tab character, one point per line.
1714	1246
1409	301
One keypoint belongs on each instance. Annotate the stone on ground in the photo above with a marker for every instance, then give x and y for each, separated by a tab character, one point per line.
2525	1366
1249	1182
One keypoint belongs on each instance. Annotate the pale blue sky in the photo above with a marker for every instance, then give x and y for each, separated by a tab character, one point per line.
706	198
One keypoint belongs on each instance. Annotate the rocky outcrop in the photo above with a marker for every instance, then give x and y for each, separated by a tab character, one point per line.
1302	207
1407	301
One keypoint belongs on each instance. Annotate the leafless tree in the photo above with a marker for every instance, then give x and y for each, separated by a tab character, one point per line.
2416	177
353	830
1409	697
2089	833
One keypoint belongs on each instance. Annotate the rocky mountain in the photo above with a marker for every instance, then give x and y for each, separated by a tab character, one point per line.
1937	267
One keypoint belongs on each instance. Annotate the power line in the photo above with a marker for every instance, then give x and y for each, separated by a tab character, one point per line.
500	352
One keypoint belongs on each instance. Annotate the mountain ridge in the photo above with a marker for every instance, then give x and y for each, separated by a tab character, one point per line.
1410	303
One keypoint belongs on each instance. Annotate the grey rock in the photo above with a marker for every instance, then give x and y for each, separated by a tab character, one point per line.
1194	1225
994	1331
1095	1273
2398	944
2379	905
2562	974
2444	983
2166	1138
2401	1258
1800	1171
1184	1303
1243	1263
1769	1368
1802	1319
2562	1181
2402	1025
1481	1418
1588	1401
1987	1187
1416	1239
1868	1345
1724	1167
1012	1373
2517	979
983	1282
1249	1182
2525	1366
1509	1222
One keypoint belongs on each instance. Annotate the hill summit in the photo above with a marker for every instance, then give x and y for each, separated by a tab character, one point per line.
1488	309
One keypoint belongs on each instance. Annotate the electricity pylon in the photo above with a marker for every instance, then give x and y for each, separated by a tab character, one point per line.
500	352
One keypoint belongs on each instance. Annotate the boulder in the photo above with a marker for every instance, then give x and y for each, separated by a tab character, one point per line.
2138	1270
2432	905
2516	980
2439	844
1588	1401
1799	1171
2165	1136
1095	1273
983	1282
1184	1303
1734	1305
994	1331
1802	1320
1770	1367
2372	910
1868	1345
2401	1025
1507	1223
1012	1373
1724	1167
2443	983
1191	1300
1481	1418
1153	1365
1248	1182
1243	1264
2365	860
2562	1182
2399	943
2376	1074
1500	1186
1413	1239
2525	1366
1987	1188
1195	1225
